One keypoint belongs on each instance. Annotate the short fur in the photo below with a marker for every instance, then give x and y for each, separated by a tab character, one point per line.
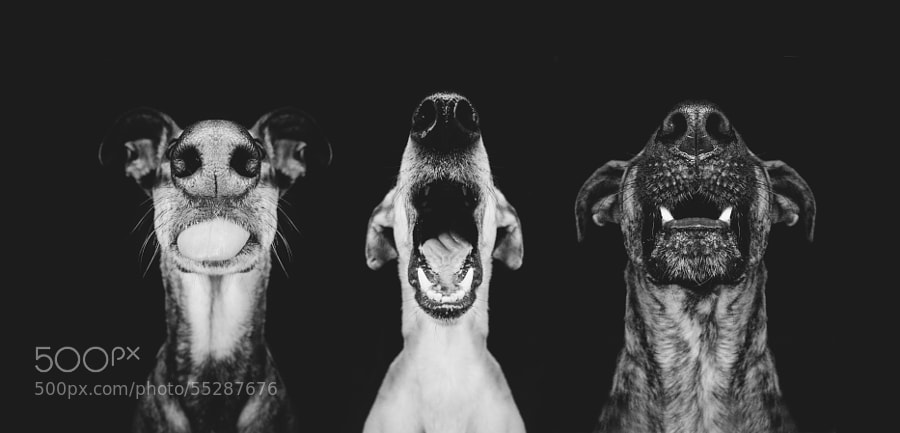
215	312
695	357
444	380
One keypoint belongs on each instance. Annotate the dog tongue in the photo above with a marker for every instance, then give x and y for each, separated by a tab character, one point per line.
446	254
217	239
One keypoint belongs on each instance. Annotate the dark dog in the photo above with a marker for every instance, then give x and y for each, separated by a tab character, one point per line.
695	208
215	188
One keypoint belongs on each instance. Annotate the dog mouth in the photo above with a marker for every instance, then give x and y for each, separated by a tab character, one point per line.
444	267
214	244
695	240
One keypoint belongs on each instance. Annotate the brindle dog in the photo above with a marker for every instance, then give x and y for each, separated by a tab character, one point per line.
215	188
695	209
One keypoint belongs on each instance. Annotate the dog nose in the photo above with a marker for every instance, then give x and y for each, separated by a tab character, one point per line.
696	129
445	122
215	159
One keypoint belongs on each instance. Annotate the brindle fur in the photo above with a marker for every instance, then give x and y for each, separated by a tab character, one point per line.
230	347
695	357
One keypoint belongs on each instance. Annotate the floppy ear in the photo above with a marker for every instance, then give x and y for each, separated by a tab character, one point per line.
598	199
297	147
508	247
137	142
380	247
794	199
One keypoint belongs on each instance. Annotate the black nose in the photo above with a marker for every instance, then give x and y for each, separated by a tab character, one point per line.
245	161
185	160
696	129
211	162
445	122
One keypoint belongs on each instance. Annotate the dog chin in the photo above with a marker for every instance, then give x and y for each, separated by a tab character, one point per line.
695	259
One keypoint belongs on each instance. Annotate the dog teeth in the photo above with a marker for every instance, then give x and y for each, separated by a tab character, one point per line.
434	293
726	215
466	283
424	282
666	215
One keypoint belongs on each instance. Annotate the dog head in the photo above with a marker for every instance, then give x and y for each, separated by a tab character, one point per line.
444	220
695	205
215	185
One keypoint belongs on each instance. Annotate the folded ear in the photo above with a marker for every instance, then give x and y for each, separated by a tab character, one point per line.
508	247
598	199
296	145
137	142
380	247
794	199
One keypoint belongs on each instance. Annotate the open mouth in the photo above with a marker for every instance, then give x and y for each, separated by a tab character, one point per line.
214	243
696	213
444	266
696	239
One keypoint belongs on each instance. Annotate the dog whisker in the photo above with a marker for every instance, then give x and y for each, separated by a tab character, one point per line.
156	251
280	263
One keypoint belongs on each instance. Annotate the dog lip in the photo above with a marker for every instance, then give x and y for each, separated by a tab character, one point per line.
694	223
458	301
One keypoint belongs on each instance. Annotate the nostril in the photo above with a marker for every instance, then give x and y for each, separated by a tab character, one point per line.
185	161
466	116
245	161
425	116
719	128
673	128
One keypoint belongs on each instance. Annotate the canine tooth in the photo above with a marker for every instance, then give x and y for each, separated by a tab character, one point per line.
666	215
424	282
466	283
726	215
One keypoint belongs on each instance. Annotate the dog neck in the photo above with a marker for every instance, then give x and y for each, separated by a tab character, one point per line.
215	324
695	362
446	346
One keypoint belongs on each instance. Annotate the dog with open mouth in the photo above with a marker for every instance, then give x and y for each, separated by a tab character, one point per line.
695	208
215	187
444	222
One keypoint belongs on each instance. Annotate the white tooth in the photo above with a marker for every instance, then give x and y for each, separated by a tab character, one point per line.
666	215
466	284
424	282
726	215
456	296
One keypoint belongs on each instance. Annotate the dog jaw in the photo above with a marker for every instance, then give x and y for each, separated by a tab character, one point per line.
255	214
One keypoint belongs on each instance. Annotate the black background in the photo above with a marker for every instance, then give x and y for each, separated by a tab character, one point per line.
553	109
